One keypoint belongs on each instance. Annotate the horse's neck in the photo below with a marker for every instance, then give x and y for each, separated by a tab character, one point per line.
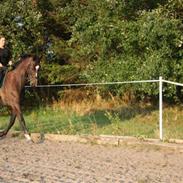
21	72
22	68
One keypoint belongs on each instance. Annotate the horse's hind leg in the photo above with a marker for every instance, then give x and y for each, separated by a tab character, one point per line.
11	123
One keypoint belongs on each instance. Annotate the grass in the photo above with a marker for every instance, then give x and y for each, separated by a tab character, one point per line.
103	117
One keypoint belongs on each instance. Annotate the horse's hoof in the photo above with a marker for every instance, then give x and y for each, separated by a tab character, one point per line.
28	138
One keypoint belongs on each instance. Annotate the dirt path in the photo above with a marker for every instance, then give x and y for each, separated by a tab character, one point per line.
68	162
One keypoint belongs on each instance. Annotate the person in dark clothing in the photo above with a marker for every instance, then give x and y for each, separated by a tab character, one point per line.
5	57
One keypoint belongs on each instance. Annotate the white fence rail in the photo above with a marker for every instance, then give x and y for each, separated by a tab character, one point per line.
93	84
160	81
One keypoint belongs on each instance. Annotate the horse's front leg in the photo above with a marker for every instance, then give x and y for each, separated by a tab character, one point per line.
11	123
24	128
22	123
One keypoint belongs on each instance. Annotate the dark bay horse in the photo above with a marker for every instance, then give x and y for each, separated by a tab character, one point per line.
14	82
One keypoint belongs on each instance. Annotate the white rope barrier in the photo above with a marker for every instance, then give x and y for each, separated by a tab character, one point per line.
171	82
93	84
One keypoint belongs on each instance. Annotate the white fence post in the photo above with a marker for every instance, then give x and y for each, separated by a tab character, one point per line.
160	108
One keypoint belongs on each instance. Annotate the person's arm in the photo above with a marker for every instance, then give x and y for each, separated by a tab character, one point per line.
1	52
10	62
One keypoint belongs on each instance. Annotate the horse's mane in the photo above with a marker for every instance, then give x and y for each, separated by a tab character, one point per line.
24	57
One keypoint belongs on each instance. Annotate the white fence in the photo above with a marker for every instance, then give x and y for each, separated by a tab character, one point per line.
160	81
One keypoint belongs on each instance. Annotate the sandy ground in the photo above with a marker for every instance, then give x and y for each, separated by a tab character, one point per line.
70	162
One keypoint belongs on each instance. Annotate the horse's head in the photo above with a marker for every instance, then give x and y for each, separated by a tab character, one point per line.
34	65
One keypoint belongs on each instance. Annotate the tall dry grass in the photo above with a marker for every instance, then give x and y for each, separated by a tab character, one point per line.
87	101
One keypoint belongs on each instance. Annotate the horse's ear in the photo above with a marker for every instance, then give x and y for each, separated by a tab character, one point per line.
37	59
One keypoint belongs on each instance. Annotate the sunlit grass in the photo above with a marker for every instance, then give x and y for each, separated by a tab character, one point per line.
122	119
